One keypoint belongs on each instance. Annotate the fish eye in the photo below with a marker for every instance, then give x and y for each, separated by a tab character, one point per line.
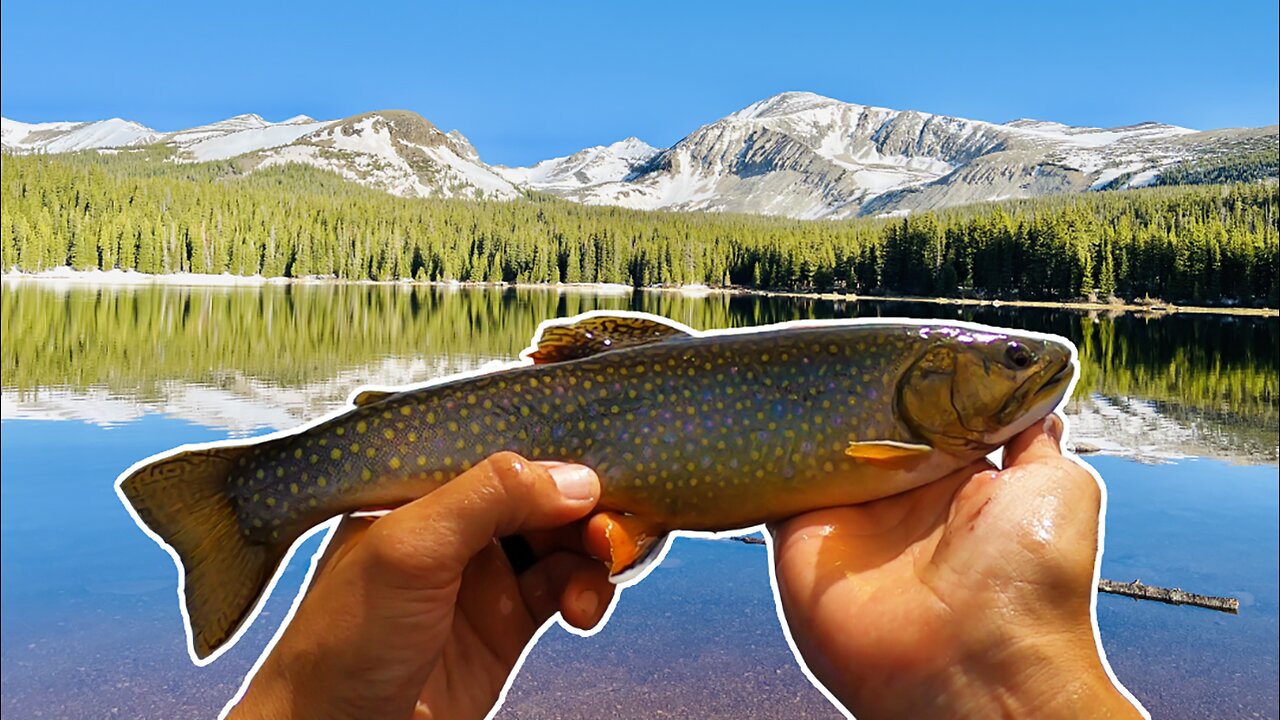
1018	356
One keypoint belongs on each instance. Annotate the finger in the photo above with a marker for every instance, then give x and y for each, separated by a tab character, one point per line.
430	540
565	537
575	585
1038	443
342	540
491	601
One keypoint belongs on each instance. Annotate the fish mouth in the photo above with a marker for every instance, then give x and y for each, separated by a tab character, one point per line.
1049	387
1041	392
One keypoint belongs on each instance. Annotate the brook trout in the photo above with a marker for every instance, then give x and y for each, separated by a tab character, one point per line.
687	431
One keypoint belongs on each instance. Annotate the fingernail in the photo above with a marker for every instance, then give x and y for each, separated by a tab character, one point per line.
1053	428
587	602
575	482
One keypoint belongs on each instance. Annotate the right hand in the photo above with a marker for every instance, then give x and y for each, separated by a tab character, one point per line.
970	597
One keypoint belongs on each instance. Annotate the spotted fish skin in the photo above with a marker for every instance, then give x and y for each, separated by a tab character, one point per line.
694	433
710	432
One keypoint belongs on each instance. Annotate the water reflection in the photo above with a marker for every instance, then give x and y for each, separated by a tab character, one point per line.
246	358
91	626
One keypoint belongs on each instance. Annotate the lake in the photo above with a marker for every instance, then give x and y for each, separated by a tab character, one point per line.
1178	413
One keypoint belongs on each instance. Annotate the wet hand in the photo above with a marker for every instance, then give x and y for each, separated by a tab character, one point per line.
419	614
968	597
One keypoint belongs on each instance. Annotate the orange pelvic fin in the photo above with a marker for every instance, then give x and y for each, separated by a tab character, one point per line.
887	453
626	543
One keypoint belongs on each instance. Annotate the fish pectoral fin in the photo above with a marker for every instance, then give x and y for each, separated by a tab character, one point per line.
886	453
628	544
369	397
599	334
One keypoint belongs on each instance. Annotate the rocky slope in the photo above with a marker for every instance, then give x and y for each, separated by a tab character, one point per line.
394	150
807	156
795	154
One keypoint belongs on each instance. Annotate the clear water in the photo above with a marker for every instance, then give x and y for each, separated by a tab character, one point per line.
93	379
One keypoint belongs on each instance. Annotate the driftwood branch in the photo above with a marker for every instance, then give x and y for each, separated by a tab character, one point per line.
1173	596
1136	589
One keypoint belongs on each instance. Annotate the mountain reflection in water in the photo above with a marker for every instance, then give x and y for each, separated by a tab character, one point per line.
244	359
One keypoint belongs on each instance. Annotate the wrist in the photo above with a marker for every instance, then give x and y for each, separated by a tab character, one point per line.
1044	677
270	695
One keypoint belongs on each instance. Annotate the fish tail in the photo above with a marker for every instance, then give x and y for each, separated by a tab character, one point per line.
183	499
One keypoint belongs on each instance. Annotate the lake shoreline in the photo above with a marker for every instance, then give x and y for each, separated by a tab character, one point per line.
132	278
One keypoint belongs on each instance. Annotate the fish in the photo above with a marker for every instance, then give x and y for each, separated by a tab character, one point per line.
687	430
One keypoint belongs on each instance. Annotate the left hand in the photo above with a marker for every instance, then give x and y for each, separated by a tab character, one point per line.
419	613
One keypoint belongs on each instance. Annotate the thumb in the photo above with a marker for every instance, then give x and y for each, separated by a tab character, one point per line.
430	540
1038	443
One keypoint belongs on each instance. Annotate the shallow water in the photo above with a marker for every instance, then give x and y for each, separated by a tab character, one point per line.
96	378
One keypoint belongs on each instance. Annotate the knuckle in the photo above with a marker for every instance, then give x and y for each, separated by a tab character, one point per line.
391	549
512	472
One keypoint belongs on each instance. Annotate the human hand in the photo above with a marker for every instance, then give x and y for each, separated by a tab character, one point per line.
967	597
419	614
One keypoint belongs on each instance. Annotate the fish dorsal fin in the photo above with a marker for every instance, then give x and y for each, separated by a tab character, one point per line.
369	397
596	335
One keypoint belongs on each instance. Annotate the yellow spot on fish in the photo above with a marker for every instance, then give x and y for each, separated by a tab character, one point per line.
422	461
394	463
293	488
431	417
370	452
297	453
366	474
340	430
335	454
261	474
362	426
271	502
406	410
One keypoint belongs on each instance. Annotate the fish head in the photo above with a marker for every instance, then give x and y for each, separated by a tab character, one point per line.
971	390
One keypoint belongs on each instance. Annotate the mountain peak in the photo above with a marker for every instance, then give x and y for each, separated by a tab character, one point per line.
785	103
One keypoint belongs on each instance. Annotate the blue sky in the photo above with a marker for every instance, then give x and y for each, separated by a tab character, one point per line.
528	80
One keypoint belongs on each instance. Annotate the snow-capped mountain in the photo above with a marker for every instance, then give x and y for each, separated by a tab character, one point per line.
593	166
238	135
796	154
397	151
394	150
60	137
803	155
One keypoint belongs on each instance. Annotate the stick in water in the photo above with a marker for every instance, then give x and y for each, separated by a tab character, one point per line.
1173	596
1136	590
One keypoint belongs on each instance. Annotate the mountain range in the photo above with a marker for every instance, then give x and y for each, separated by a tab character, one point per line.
795	154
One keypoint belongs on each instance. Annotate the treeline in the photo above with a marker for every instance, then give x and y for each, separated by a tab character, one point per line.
137	341
1205	244
1243	167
